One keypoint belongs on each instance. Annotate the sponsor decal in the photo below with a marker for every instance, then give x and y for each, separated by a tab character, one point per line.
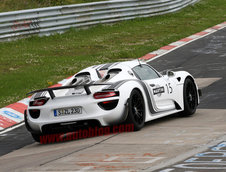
158	91
11	114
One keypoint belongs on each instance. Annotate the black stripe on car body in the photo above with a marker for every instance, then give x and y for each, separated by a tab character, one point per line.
116	85
106	66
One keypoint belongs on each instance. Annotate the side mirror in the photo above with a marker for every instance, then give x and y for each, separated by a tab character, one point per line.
164	72
170	73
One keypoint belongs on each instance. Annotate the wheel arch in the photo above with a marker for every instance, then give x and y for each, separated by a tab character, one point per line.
196	86
190	77
138	89
130	116
128	87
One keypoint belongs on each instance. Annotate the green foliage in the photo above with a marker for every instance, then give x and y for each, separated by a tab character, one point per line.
50	2
12	5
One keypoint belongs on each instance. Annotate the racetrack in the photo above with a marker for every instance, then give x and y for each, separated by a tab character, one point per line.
159	144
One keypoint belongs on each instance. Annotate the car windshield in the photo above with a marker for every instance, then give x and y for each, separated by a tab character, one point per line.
144	72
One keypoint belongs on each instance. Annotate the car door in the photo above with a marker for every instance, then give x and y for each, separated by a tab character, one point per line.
160	89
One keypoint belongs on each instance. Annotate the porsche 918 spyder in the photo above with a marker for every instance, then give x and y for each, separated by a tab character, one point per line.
108	94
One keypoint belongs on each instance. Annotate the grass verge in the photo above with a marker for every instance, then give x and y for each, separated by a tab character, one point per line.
12	5
33	63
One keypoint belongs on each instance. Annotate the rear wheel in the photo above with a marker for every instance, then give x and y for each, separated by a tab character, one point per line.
190	98
136	113
36	137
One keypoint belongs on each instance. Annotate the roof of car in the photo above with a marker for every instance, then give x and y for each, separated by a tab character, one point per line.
129	64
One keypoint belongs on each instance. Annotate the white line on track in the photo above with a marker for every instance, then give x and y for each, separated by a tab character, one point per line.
167	170
12	128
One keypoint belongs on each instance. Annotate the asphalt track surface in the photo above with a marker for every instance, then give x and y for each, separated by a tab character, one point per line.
204	58
162	145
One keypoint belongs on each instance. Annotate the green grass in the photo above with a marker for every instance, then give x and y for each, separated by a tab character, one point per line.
32	63
12	5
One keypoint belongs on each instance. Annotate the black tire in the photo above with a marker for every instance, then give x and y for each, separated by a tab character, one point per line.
136	111
190	98
36	137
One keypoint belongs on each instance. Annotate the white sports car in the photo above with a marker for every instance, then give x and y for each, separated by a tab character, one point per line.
108	94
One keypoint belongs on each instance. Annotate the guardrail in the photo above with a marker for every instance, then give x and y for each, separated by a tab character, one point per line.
44	21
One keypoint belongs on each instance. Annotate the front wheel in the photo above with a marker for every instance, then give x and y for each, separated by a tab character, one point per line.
190	98
136	113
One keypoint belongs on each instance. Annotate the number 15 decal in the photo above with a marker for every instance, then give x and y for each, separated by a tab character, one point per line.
169	88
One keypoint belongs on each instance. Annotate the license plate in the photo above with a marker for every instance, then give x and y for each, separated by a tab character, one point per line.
68	111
